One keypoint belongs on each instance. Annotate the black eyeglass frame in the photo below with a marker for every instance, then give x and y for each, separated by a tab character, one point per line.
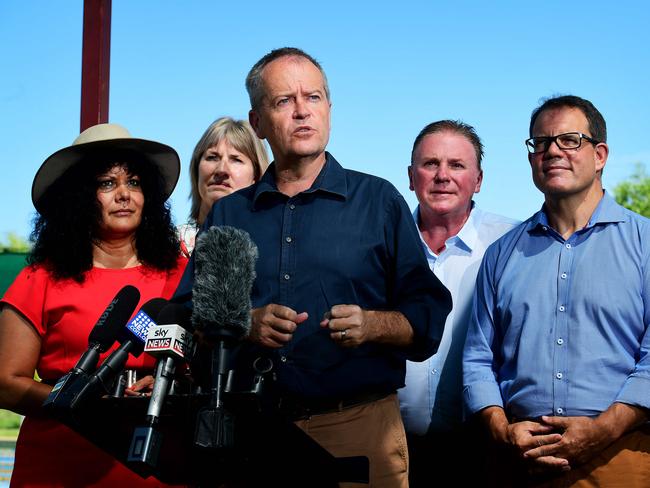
548	140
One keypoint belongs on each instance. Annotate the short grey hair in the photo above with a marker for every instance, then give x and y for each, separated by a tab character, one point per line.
457	127
254	84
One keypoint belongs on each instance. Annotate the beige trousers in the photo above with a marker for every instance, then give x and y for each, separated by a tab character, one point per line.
374	430
624	464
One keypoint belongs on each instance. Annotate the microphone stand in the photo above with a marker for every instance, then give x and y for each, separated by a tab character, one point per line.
147	440
214	424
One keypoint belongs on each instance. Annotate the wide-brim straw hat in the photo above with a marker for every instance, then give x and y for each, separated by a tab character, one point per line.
109	138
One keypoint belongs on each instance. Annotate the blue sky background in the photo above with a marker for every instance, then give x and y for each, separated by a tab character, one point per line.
393	67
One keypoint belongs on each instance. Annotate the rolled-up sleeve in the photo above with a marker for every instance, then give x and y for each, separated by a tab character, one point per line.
636	388
417	293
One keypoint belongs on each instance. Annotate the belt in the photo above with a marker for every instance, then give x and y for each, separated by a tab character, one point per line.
301	408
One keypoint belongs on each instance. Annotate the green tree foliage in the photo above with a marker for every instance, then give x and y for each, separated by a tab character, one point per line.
9	420
14	243
9	426
634	193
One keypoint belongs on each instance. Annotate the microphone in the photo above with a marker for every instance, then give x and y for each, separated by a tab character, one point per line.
224	261
101	338
131	342
224	264
170	342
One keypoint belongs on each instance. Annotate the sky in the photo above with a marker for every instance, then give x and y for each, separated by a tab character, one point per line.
392	67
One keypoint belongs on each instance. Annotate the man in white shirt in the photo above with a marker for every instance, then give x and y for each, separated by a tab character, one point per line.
445	173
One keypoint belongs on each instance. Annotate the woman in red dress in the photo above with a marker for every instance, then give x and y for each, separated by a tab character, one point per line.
102	223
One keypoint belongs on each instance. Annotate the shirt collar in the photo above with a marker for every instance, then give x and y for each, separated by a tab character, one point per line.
606	212
466	238
331	179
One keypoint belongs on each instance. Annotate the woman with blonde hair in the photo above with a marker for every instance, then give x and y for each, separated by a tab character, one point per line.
228	157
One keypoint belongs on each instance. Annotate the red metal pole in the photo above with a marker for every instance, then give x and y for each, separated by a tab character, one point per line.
95	62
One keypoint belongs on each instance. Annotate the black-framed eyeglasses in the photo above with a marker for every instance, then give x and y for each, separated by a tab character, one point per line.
568	140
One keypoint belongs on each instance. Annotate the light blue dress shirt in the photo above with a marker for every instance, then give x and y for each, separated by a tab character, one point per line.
433	392
560	327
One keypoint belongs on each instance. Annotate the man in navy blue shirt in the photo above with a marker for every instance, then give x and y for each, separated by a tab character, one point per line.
343	293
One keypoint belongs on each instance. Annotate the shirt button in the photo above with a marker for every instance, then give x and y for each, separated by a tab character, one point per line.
288	239
283	359
544	227
568	246
560	341
435	371
559	410
561	308
292	206
287	277
558	376
563	276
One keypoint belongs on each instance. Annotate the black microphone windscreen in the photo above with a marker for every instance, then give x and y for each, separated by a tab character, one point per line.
176	313
224	260
154	307
112	321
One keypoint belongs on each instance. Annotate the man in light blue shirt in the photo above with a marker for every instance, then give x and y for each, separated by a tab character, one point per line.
556	359
445	173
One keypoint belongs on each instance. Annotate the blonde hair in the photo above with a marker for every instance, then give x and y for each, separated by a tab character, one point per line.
241	136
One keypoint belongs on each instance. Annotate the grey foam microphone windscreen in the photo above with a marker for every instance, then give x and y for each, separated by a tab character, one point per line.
224	261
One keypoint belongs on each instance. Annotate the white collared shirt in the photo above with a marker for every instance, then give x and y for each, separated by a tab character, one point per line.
432	397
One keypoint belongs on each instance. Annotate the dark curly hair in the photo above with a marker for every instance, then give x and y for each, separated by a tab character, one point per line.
67	227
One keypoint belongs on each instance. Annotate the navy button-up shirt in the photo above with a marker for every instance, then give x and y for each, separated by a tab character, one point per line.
349	239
